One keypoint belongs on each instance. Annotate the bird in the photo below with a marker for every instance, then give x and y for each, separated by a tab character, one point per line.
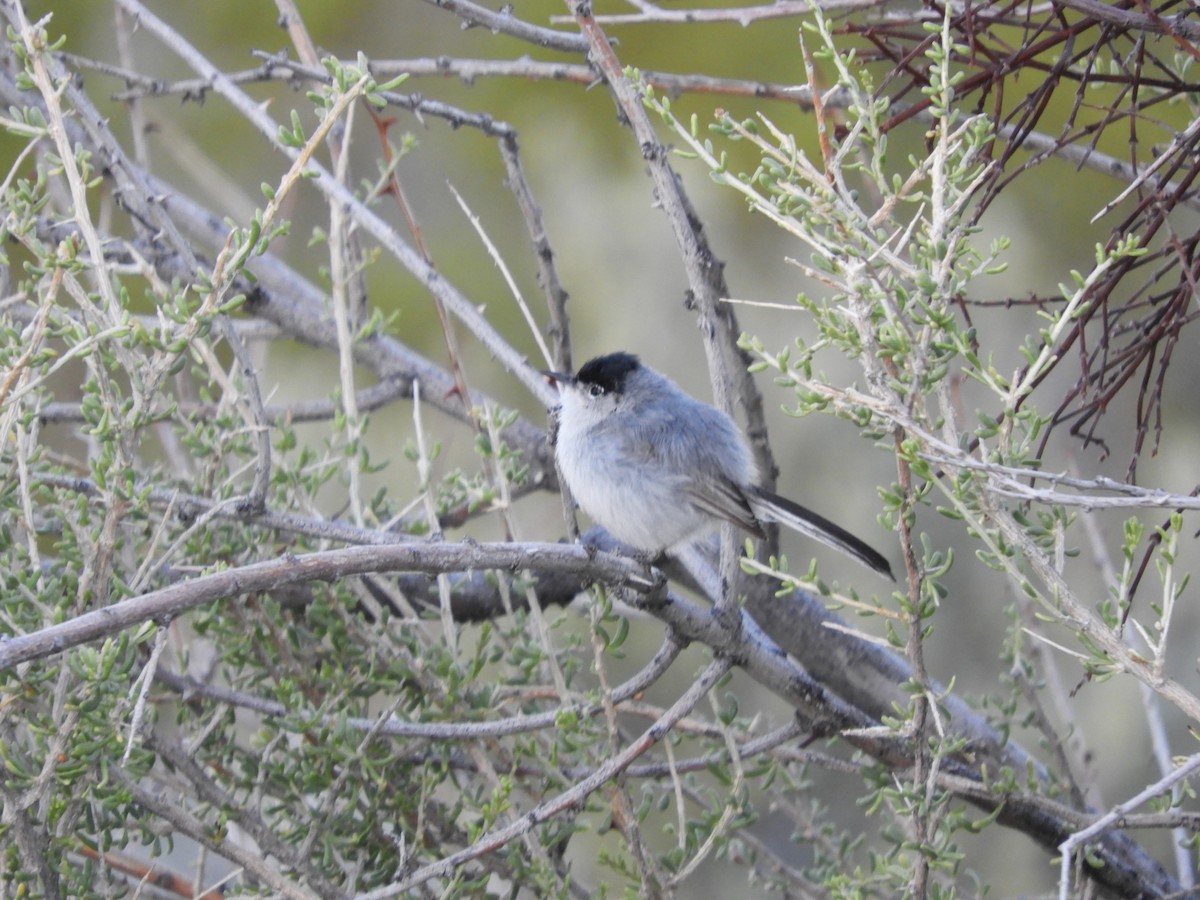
659	469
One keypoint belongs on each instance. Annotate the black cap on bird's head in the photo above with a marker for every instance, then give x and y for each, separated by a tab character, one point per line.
608	372
602	375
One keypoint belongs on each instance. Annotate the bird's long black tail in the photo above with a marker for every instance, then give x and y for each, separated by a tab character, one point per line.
774	508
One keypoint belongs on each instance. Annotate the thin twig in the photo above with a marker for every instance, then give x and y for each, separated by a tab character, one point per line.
1112	818
568	799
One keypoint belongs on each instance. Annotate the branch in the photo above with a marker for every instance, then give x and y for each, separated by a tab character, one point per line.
504	22
762	660
573	797
1111	819
221	842
338	193
279	294
466	70
1177	26
1010	482
366	400
393	726
740	15
332	565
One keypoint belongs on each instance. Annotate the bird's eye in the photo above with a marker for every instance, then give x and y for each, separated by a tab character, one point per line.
594	390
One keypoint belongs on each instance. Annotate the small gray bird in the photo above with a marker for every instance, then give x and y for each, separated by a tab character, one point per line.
658	469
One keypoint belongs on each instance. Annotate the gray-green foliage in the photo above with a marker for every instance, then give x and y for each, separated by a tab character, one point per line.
154	485
101	514
894	249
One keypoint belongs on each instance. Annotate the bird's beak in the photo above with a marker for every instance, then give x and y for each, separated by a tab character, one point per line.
557	378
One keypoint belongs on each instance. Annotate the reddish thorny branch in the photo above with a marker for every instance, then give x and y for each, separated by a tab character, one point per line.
1043	78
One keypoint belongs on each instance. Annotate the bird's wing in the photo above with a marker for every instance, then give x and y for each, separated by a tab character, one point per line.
722	499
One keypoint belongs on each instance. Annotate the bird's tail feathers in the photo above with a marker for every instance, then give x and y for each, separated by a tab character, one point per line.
774	508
